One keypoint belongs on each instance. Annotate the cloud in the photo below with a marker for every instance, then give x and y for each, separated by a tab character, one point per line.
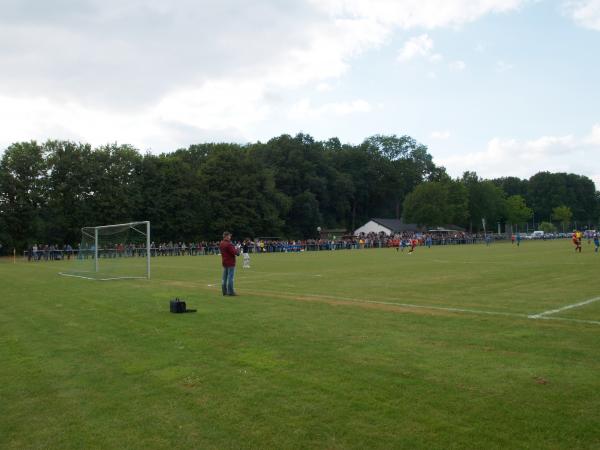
410	14
188	68
215	105
418	47
480	47
457	66
440	135
585	13
503	66
303	109
324	87
594	137
40	119
512	157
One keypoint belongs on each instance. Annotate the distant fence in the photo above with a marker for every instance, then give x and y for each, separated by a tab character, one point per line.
267	247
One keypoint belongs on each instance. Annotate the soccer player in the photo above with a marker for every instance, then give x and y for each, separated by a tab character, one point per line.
596	241
403	244
577	240
246	253
413	244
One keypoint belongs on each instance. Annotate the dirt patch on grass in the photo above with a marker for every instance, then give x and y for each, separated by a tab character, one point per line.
184	284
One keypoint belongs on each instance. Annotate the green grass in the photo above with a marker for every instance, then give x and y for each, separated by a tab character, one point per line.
316	352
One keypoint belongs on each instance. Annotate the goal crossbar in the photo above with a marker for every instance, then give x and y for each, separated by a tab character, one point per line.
129	224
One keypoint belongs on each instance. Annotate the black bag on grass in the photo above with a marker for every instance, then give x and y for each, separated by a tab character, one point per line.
177	306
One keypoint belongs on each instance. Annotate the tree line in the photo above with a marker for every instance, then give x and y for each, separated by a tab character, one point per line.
286	187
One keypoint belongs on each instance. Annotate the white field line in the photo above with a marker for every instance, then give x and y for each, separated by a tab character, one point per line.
443	308
405	305
100	279
409	305
595	322
74	276
564	308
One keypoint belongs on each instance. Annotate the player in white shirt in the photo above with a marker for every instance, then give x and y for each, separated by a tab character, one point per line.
246	253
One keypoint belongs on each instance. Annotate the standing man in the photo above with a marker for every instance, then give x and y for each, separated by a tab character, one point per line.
228	254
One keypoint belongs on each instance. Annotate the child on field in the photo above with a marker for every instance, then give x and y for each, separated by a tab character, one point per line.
246	253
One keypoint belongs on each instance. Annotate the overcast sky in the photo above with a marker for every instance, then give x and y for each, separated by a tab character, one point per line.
500	87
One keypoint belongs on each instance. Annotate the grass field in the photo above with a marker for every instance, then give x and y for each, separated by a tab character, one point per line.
344	349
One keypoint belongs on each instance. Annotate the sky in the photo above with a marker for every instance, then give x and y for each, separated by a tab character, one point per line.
499	87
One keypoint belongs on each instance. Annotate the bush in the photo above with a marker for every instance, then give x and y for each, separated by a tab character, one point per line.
547	227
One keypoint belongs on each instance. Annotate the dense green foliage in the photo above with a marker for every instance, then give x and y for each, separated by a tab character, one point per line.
563	215
287	186
437	203
548	227
321	350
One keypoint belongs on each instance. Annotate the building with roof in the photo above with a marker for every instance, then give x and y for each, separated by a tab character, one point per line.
388	226
394	226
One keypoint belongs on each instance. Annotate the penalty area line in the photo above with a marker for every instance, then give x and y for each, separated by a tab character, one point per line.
296	296
405	305
566	319
434	308
564	308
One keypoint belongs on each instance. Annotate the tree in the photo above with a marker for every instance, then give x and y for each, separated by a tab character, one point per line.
360	165
305	216
173	199
436	203
546	190
404	164
547	227
426	205
287	187
581	197
301	165
486	200
68	191
240	195
517	211
22	175
512	186
458	202
118	196
563	215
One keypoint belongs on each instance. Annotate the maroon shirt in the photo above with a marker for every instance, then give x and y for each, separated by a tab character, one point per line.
228	253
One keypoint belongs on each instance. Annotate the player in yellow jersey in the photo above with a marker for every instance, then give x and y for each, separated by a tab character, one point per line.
577	240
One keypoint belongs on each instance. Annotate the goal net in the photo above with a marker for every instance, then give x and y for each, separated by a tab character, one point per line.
112	252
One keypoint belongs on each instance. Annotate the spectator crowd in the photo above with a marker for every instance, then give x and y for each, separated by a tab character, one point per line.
52	252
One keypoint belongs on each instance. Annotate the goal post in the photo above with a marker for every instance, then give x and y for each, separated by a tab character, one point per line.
111	252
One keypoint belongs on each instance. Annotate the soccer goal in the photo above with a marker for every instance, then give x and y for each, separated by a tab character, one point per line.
112	252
